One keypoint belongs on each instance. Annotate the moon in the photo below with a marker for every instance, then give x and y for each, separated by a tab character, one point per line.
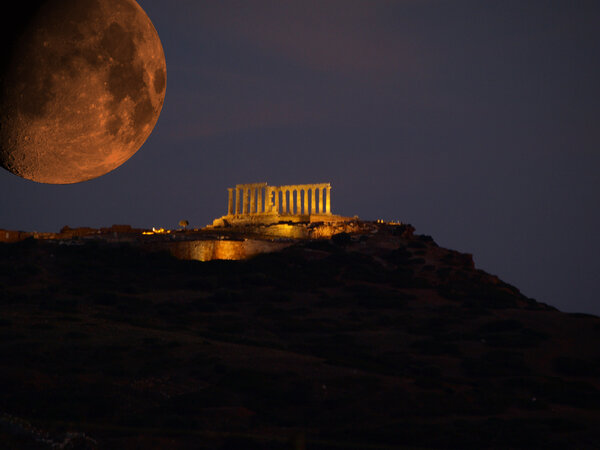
82	84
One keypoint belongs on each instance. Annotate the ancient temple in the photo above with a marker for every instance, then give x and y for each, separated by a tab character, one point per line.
261	203
299	199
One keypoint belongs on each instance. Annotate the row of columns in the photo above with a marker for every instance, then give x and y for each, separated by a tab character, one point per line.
248	199
320	196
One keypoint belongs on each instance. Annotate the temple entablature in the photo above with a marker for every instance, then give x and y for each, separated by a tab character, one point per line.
261	203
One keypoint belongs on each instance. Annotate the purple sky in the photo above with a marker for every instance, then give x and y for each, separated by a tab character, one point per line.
475	121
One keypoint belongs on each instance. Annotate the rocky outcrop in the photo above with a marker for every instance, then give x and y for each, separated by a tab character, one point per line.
208	250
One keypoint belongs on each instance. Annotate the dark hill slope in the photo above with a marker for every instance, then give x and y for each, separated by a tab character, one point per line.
382	340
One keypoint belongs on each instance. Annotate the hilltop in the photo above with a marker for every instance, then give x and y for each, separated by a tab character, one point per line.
373	339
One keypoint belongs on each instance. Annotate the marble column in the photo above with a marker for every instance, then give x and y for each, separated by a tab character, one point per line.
321	202
252	200
313	200
246	200
298	201
230	202
328	201
259	201
284	201
274	200
267	190
238	201
278	194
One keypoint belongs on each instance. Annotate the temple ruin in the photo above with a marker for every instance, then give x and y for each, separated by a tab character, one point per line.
260	219
261	203
309	199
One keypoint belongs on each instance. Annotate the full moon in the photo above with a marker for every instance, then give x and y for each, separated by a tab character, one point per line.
82	83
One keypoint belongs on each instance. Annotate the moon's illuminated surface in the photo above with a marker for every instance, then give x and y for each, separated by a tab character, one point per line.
81	89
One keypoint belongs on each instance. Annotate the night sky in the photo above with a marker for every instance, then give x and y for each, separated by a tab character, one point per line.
475	121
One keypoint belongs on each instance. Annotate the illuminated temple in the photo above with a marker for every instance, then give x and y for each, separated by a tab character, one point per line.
261	203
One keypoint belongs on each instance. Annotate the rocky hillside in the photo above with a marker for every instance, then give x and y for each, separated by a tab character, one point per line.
367	341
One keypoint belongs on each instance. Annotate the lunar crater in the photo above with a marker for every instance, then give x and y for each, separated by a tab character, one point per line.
119	44
86	86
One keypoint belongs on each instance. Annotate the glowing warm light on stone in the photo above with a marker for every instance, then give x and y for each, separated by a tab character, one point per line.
208	250
260	203
248	199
